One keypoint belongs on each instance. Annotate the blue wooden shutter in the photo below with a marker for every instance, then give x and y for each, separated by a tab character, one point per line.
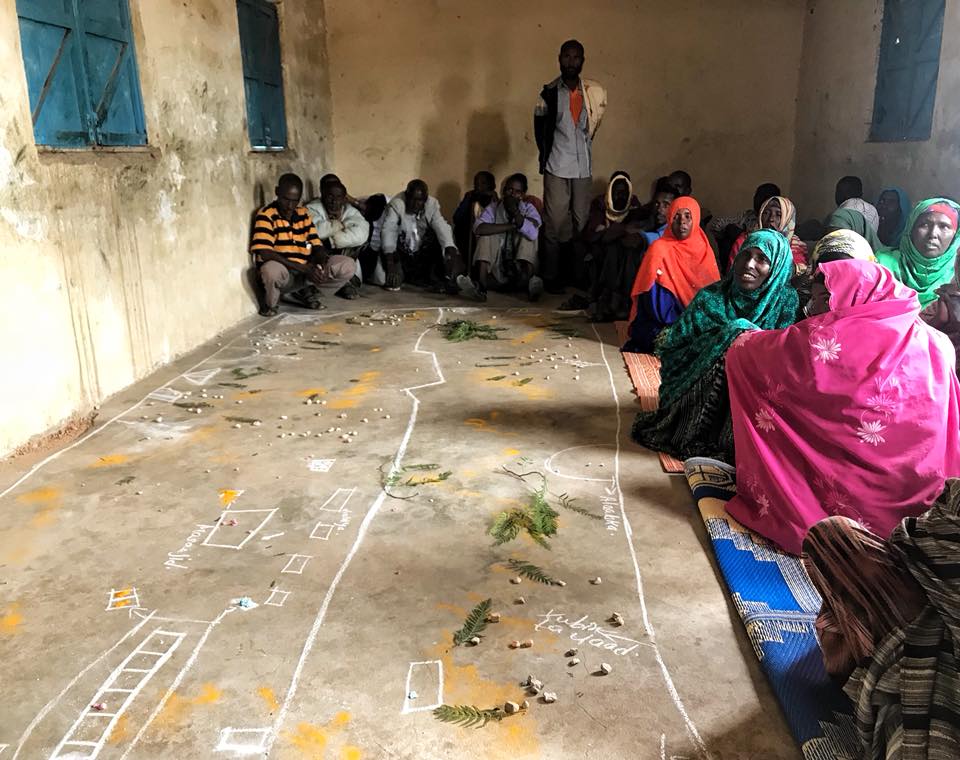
113	83
262	73
52	59
908	70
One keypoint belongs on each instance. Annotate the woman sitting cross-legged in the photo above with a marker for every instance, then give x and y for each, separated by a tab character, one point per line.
928	248
778	213
854	411
693	416
889	626
673	270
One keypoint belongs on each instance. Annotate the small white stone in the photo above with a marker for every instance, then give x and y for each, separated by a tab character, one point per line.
475	641
386	416
323	403
511	708
318	435
412	695
605	669
525	705
519	600
527	644
237	425
283	416
616	618
546	377
197	411
576	377
516	579
331	430
308	402
257	423
337	429
342	415
559	583
236	469
514	644
515	374
494	316
158	419
575	661
364	420
571	653
239	401
556	366
139	493
549	697
206	470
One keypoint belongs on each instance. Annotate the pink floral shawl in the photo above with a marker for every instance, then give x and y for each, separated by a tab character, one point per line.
855	412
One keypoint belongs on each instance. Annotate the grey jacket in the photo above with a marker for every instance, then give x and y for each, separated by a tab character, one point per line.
396	219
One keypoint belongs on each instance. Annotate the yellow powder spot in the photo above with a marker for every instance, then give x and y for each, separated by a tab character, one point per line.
18	556
309	739
10	619
340	719
349	398
209	695
43	518
266	694
511	452
350	753
44	495
175	711
308	392
228	496
202	433
245	394
110	460
458	611
476	422
331	328
344	403
529	337
375	350
120	730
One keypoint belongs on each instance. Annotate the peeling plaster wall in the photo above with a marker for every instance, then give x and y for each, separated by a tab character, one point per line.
835	107
443	88
114	263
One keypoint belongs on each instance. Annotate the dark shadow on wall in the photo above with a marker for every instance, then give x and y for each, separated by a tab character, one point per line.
440	138
488	144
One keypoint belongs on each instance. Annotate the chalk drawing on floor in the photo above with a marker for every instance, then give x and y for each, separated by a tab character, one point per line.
422	675
277	597
320	465
322	531
169	395
554	468
202	376
235	536
243	741
338	500
296	564
271	536
123	684
124	598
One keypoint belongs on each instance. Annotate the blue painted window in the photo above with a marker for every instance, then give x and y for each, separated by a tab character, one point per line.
262	74
81	73
908	70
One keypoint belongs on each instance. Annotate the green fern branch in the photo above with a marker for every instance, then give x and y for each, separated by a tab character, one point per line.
507	526
531	571
475	623
468	715
544	516
567	502
460	330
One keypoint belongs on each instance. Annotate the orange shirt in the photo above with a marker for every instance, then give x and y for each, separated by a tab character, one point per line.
576	104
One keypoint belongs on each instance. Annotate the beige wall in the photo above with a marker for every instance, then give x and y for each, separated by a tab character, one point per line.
114	264
443	88
835	107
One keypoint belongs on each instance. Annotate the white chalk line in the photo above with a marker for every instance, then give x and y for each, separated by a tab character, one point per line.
406	693
548	464
53	702
361	534
177	681
628	532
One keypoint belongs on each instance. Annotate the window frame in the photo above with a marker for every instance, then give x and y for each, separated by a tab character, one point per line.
254	80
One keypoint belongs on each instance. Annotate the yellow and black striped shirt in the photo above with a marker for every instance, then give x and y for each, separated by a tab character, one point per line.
271	232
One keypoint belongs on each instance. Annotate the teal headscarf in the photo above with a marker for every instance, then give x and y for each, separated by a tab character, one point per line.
850	219
914	269
720	312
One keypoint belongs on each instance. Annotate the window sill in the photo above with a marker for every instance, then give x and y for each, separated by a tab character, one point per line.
98	154
284	152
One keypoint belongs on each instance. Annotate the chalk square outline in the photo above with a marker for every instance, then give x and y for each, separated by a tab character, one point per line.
305	557
201	376
132	596
407	709
247	537
322	525
227	742
168	395
349	491
271	603
321	465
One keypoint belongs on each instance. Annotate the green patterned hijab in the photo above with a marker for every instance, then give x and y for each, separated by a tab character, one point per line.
914	269
720	312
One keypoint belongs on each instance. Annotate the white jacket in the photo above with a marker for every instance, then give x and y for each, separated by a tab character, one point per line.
395	218
351	230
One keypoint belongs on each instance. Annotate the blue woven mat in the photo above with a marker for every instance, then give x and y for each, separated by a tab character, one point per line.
778	606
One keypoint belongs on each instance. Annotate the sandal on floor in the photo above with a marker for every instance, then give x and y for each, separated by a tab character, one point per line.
574	303
268	311
351	290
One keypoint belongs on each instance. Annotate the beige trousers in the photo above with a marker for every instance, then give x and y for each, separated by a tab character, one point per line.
277	279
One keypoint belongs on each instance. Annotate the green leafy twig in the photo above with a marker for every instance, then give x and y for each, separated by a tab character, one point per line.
468	715
524	381
475	623
241	373
192	405
232	385
531	571
538	519
495	378
460	330
242	420
567	502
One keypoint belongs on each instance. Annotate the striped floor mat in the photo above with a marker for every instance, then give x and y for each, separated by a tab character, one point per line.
644	371
778	606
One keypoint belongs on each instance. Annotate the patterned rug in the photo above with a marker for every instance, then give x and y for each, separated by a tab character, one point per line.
778	606
644	371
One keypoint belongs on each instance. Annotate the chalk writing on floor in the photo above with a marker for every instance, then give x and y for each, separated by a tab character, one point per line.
583	631
610	502
177	558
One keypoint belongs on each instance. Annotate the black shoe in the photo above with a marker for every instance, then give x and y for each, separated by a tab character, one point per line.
268	311
351	290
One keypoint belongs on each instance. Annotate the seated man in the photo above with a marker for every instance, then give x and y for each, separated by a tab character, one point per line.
340	226
664	194
507	236
289	254
484	193
417	242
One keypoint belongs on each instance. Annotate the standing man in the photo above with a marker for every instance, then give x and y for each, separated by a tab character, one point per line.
565	121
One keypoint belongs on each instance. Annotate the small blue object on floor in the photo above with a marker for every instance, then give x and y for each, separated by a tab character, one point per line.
778	606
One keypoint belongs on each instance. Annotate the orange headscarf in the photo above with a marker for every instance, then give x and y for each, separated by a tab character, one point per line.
681	266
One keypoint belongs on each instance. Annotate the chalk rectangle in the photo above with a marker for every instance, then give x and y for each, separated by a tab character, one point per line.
321	465
165	394
277	598
245	741
296	564
338	500
238	533
322	531
424	679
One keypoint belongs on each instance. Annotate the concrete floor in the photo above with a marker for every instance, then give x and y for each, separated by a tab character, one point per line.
119	559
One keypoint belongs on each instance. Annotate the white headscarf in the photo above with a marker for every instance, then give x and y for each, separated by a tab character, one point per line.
869	211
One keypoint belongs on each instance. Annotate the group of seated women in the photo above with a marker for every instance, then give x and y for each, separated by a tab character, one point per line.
830	381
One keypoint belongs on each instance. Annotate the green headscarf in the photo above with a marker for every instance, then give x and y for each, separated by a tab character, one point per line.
851	219
914	269
720	312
